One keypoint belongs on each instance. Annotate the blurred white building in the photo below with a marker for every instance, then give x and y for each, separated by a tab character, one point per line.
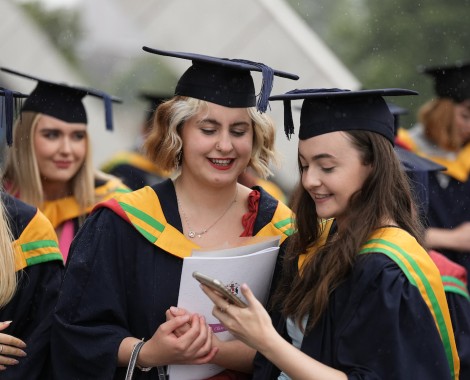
267	31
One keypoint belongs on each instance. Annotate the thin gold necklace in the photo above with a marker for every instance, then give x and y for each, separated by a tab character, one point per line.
192	234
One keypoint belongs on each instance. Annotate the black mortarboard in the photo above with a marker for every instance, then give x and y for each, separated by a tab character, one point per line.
396	111
451	81
223	81
63	101
330	110
154	100
9	107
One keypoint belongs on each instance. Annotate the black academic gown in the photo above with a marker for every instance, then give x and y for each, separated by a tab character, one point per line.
38	288
449	206
135	170
377	326
118	285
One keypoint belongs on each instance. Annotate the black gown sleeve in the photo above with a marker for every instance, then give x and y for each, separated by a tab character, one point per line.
376	327
459	308
90	320
31	312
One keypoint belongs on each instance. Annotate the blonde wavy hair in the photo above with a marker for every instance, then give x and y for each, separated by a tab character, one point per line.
22	175
8	280
163	144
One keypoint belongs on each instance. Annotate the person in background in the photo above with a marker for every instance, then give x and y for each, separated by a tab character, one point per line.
30	274
443	136
50	165
364	301
210	131
133	167
453	275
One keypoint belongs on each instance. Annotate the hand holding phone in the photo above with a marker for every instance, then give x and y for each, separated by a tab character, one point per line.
220	287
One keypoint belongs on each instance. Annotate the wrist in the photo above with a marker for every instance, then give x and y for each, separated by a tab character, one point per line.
144	361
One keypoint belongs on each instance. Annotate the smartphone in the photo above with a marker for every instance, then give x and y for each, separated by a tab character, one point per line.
220	287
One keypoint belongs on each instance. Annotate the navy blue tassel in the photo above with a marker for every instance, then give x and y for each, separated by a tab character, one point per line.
9	115
108	110
266	85
288	119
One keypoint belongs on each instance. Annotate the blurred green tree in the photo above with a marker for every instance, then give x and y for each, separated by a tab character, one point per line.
384	42
62	26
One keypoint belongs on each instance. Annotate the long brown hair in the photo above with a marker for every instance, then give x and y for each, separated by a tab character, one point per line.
385	194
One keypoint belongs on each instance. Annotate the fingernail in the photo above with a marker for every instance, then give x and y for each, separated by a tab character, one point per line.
174	309
6	322
22	353
14	362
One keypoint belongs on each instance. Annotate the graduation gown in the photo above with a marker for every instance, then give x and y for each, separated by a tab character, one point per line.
454	278
124	274
39	267
449	191
135	170
66	212
387	320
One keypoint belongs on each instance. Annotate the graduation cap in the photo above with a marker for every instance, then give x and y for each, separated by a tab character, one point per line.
62	101
154	100
330	110
451	81
9	107
224	81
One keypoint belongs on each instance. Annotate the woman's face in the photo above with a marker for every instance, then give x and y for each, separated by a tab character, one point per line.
332	171
462	120
217	144
60	148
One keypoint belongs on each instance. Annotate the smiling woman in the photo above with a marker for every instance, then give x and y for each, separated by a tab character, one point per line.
208	133
50	165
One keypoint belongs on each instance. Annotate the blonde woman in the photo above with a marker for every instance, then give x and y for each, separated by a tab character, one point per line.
129	274
30	274
50	166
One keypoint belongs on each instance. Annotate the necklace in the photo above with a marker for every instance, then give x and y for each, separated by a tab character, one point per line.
192	234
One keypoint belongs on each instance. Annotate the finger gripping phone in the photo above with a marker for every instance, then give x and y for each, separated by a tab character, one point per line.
220	287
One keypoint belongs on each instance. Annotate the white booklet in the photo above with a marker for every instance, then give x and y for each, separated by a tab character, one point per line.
252	263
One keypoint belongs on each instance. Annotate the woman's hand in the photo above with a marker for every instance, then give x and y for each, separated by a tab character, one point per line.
252	325
194	346
174	312
9	346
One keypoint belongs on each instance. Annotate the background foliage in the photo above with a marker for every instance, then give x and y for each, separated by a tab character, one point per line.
384	43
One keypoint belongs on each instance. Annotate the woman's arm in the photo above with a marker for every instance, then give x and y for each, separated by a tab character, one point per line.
457	239
252	325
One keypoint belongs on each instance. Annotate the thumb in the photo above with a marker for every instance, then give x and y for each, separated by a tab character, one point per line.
4	325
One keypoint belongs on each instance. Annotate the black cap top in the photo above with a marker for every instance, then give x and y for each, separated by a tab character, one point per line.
331	110
9	106
63	101
154	100
223	81
451	81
